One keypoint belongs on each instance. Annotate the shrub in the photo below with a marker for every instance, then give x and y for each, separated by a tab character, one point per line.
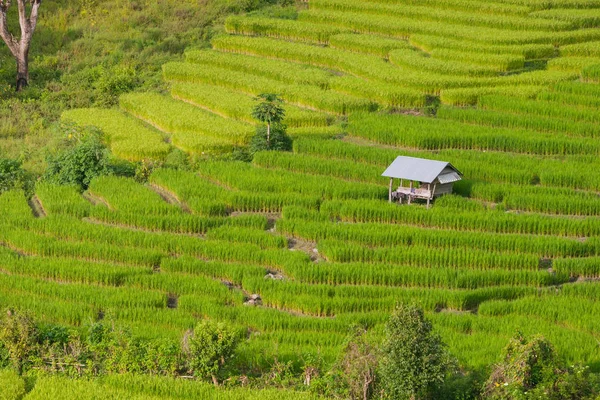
113	83
279	140
18	335
530	368
355	371
415	361
208	348
78	165
12	175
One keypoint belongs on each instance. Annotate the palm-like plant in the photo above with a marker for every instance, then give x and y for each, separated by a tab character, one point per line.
269	111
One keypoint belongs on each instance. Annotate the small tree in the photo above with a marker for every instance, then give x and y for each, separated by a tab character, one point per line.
358	364
269	111
415	361
19	48
18	335
209	347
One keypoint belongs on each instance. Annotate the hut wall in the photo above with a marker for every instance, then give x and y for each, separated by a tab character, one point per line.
443	189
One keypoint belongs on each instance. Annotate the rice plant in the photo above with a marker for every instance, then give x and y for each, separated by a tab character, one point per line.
128	138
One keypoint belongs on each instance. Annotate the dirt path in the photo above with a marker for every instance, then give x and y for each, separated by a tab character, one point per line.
169	197
36	207
96	200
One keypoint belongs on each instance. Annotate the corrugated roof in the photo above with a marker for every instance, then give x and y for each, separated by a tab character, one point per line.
449	177
416	169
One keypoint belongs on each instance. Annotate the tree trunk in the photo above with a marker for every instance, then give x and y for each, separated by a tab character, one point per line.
19	47
22	69
269	135
215	381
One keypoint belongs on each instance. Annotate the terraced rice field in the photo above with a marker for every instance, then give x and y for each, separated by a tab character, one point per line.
513	89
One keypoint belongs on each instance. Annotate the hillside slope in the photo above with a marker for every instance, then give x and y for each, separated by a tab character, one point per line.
507	91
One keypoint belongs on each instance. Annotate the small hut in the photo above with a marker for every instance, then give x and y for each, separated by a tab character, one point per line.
420	178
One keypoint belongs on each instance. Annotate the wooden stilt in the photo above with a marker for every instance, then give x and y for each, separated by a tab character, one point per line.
390	194
431	194
410	194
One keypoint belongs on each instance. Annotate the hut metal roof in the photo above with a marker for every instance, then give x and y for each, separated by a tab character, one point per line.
417	169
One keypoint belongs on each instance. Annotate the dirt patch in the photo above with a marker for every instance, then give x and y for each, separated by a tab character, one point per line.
546	263
36	207
583	279
413	112
172	300
253	300
308	247
170	197
12	248
96	200
275	275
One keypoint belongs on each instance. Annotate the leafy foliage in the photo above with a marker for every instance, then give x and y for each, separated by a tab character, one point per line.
18	335
355	372
79	164
209	347
530	368
269	110
277	140
12	175
415	361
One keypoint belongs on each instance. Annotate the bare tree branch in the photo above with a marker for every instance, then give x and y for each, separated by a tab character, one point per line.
20	47
8	38
23	21
35	7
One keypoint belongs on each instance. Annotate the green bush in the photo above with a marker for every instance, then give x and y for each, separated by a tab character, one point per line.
12	176
18	335
209	347
415	361
114	83
79	164
279	140
531	369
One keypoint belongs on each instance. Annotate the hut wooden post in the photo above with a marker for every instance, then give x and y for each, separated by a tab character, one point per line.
390	194
410	192
431	194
